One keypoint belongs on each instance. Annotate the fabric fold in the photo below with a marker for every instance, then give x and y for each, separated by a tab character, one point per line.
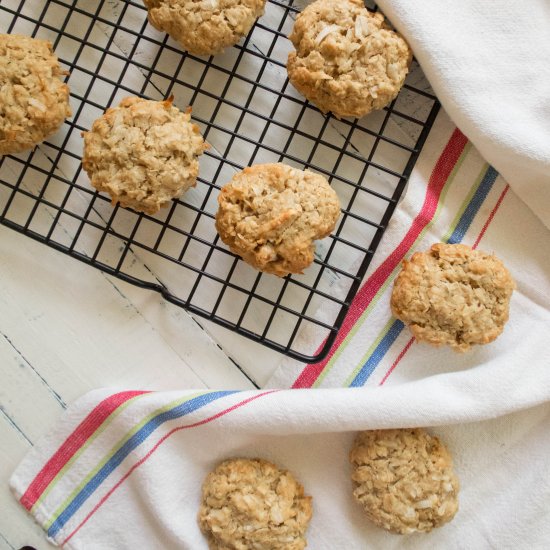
488	65
122	470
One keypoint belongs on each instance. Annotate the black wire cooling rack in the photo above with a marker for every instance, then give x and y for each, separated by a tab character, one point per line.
249	114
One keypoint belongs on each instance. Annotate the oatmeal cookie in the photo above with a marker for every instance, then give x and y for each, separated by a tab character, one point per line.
204	27
453	295
143	153
404	479
34	101
251	503
270	214
347	60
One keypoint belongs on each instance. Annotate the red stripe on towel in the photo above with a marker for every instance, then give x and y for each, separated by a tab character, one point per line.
73	443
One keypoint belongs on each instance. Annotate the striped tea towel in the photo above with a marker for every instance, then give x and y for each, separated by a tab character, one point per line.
123	469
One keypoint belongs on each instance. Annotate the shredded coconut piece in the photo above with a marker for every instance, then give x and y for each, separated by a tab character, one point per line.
37	104
325	32
393	71
361	27
423	504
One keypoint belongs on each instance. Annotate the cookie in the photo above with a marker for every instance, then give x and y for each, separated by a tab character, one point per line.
205	27
404	479
453	295
143	153
34	101
251	503
270	215
347	60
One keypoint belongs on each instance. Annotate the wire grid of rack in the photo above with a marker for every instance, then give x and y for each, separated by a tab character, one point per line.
249	114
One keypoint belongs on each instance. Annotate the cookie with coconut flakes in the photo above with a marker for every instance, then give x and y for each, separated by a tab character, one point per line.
347	60
143	153
251	503
453	295
204	27
34	101
271	214
404	479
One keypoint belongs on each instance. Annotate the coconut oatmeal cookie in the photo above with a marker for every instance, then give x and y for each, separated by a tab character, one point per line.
204	27
143	153
271	214
251	503
347	60
34	101
453	295
404	479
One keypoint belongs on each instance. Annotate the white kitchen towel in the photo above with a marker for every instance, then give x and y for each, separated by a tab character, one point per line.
123	470
488	64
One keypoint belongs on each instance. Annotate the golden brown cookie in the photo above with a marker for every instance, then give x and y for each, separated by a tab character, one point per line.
347	60
404	479
143	153
251	503
271	214
34	101
453	295
204	27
